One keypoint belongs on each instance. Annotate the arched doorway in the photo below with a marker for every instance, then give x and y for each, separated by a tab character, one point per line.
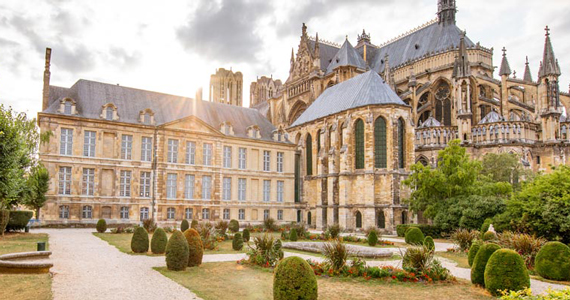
404	217
380	219
358	220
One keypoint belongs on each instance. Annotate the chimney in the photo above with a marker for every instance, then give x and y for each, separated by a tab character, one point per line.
199	94
47	74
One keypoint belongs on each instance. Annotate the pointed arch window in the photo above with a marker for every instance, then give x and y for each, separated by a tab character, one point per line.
380	143
447	112
318	141
358	219
359	144
381	219
309	153
401	143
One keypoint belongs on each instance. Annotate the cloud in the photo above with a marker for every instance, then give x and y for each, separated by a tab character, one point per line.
119	57
224	31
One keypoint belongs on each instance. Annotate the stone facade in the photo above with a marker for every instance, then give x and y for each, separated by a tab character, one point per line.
226	87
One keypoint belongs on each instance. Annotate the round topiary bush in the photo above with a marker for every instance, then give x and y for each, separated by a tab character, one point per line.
233	226
372	238
193	225
553	261
177	252
184	225
293	235
506	270
246	235
139	241
489	236
429	243
18	219
195	247
480	262
158	241
294	279
101	226
237	242
414	236
473	252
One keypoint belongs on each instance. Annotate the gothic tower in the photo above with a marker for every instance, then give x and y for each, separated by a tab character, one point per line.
446	10
549	92
226	87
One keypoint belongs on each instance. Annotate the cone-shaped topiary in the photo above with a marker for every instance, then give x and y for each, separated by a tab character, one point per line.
246	235
184	225
428	243
372	238
237	242
195	247
294	279
139	241
489	236
506	270
158	241
473	251
293	235
177	252
193	225
414	236
553	261
485	226
101	226
233	226
480	262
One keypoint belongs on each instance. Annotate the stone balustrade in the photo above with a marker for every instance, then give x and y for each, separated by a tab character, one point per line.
435	136
504	132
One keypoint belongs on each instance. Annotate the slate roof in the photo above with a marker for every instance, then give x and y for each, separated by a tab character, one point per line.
326	52
91	96
362	90
527	76
491	117
549	64
346	56
505	68
430	122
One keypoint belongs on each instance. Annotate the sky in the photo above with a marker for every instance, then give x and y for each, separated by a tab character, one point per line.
174	46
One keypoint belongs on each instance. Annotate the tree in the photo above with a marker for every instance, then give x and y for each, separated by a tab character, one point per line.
37	186
505	167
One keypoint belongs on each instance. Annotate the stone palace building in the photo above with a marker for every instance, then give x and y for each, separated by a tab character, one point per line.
331	144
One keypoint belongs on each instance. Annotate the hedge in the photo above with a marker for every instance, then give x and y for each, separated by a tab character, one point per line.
184	225
475	246
480	262
430	230
506	270
177	252
489	236
101	226
237	242
195	247
293	235
414	236
553	261
233	226
158	241
246	235
294	279
18	219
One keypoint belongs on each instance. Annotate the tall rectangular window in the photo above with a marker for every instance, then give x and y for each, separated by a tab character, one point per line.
241	189
280	215
64	212
280	162
124	212
266	190
144	213
190	153
145	184
170	212
172	156
227	157
189	187
171	185
226	213
207	154
66	143
265	214
88	183
65	180
242	158
87	212
227	189
188	213
205	213
146	148
89	143
241	214
125	187
206	187
266	160
280	185
126	146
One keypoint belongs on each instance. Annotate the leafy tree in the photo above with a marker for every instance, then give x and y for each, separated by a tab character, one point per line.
504	167
37	186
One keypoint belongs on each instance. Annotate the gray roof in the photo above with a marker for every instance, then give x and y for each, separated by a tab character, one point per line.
91	96
430	122
527	76
326	53
549	64
362	90
346	56
505	68
491	117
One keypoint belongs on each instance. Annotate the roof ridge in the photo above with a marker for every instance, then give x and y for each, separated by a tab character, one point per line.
325	42
409	32
131	88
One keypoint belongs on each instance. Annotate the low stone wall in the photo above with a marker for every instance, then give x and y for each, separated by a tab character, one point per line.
353	250
19	263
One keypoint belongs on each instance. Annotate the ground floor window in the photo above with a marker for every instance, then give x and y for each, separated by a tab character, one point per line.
241	214
64	212
170	213
265	214
381	219
404	217
206	213
144	213
299	216
188	213
226	213
280	215
309	217
87	212
124	212
358	220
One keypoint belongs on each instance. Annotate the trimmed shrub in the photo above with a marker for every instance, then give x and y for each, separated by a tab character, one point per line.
553	261
4	218
18	219
269	224
293	235
139	241
418	258
486	225
430	230
480	262
184	225
524	244
414	236
506	270
234	226
195	247
372	238
294	279
177	252
237	242
193	224
101	225
246	235
334	231
158	241
429	243
473	251
489	236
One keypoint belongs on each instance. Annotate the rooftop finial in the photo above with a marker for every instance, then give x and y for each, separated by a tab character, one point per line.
504	51
547	30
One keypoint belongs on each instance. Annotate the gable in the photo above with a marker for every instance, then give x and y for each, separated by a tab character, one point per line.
192	124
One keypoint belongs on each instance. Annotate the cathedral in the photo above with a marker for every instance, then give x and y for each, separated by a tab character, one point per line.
329	145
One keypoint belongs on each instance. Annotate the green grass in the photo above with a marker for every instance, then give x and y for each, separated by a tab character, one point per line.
24	286
458	257
218	280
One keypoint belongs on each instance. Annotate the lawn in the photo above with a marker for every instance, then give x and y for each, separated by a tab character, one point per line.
218	280
458	257
23	286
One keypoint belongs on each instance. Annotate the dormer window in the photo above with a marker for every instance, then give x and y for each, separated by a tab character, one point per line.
67	106
279	135
109	112
253	132
146	117
226	128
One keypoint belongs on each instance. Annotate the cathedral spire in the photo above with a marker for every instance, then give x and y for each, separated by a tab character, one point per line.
505	68
549	64
527	76
461	67
446	10
317	51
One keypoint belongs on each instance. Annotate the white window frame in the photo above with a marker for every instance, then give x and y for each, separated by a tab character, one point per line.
126	146
189	183
227	189
190	153
67	107
66	146
65	180
124	213
145	179
171	180
266	214
189	213
266	190
172	156
266	161
170	213
125	184
88	182
64	211
280	190
227	156
242	188
144	213
205	213
280	156
206	187
280	215
109	113
89	140
241	214
146	148
87	212
226	215
242	161
207	154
